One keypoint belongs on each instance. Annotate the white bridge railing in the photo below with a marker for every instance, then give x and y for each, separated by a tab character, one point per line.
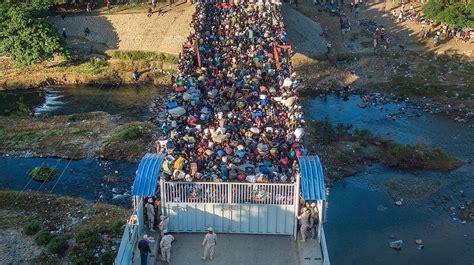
228	192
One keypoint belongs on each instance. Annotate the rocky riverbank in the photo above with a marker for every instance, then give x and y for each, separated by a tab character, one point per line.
30	222
76	136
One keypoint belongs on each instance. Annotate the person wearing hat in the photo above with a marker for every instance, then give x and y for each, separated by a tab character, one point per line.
165	246
150	214
314	220
304	220
209	242
163	225
144	247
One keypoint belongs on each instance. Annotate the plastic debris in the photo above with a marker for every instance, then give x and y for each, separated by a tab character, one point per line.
397	245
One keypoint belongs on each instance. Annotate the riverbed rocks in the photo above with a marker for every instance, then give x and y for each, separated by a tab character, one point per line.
406	190
467	211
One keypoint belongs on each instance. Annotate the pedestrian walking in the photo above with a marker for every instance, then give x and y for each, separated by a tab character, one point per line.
209	242
165	245
314	217
305	225
163	225
357	10
144	247
150	214
328	46
87	31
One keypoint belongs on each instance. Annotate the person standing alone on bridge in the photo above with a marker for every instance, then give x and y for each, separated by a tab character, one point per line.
165	245
144	248
209	242
150	214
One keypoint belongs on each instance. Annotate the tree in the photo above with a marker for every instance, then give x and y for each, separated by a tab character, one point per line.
433	8
455	15
28	39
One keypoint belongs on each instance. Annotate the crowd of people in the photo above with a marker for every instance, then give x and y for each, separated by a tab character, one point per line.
234	117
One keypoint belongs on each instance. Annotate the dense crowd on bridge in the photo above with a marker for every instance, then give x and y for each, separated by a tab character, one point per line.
236	116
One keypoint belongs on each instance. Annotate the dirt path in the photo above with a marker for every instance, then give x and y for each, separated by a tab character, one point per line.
131	29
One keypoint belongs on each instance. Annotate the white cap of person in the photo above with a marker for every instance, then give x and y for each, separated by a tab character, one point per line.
210	229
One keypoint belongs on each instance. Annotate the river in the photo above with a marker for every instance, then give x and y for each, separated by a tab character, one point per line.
362	218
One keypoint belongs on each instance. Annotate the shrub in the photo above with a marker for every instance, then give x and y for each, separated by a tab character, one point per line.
363	136
83	258
32	227
43	173
76	131
117	227
418	157
43	237
87	237
108	257
58	245
73	117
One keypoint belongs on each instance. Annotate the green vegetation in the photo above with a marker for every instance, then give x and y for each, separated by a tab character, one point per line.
117	227
125	134
87	236
418	157
22	140
363	136
94	67
43	237
43	173
142	55
83	257
457	15
25	37
108	257
32	227
325	132
58	245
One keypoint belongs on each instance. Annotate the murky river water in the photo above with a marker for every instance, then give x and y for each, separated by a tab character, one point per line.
128	102
362	219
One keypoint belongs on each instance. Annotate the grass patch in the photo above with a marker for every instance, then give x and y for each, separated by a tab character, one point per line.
125	134
58	245
414	86
325	132
23	139
94	67
418	157
43	173
43	237
143	55
87	236
363	136
32	227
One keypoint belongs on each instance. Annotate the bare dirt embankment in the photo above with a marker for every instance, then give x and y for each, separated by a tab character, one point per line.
155	43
